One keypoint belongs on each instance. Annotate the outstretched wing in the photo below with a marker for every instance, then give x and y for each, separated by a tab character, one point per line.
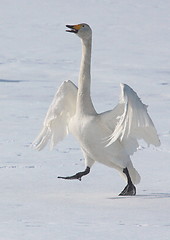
62	108
134	122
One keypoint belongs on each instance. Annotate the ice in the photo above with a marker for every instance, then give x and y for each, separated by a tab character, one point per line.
131	44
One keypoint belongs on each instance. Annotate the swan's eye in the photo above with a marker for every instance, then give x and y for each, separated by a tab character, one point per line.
83	26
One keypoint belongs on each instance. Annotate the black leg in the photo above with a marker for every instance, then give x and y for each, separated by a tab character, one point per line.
130	189
78	175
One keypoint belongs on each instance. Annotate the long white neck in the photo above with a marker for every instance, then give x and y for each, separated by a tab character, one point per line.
84	102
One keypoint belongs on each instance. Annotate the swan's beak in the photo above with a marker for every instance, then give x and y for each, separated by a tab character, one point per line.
73	28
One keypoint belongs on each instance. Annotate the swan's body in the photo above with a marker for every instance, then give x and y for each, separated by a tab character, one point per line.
110	137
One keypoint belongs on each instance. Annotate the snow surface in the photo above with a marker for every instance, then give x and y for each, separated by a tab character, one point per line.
131	44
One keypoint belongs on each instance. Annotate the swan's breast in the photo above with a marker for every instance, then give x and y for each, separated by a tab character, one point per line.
81	126
89	132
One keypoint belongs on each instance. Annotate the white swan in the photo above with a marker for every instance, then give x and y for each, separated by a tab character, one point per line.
110	137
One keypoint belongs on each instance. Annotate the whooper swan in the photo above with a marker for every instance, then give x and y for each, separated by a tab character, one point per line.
110	137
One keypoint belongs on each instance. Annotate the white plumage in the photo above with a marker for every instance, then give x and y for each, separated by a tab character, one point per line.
110	137
61	110
134	123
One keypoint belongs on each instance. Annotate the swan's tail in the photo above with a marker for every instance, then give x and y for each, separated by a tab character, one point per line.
135	177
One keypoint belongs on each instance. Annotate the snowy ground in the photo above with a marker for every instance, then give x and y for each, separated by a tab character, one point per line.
131	44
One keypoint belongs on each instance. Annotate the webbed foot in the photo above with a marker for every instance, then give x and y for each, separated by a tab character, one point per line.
78	175
129	190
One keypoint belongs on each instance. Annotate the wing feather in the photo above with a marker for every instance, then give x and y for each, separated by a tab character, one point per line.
62	108
134	123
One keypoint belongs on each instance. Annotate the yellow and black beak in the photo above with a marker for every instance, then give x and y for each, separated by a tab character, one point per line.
73	28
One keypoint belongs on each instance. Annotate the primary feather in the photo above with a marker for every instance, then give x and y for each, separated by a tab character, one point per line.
134	122
62	108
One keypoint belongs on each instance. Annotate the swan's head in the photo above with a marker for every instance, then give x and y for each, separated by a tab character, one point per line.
83	30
